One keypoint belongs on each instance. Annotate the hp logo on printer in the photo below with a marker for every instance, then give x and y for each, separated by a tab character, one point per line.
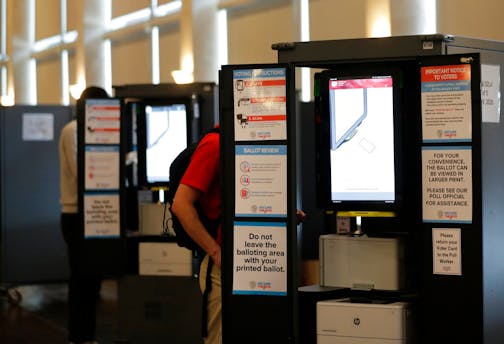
356	321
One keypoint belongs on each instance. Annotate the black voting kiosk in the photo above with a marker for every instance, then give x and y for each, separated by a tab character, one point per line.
125	147
260	115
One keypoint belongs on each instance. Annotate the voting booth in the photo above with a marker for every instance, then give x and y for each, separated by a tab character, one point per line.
126	145
399	143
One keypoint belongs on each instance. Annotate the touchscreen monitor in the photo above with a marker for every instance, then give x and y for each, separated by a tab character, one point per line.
361	117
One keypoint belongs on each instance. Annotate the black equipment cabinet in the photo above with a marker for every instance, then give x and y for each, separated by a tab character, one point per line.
259	296
159	309
156	308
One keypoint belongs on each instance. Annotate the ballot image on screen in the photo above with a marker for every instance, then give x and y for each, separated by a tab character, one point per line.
362	139
166	135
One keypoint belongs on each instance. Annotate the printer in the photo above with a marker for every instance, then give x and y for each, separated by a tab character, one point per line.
363	321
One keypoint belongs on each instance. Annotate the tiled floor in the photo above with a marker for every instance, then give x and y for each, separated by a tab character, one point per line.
40	317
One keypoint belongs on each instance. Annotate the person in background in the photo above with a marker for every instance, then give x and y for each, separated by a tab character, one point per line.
84	284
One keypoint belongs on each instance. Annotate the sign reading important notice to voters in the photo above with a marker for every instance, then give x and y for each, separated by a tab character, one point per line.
447	184
446	103
260	258
260	180
260	104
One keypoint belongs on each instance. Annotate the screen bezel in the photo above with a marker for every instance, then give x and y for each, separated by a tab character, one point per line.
323	138
141	130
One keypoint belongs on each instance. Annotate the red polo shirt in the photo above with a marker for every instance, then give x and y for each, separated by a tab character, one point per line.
203	174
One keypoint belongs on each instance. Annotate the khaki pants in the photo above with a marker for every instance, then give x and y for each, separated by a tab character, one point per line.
214	324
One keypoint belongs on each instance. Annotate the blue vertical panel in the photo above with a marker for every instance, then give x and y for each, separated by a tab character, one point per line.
32	244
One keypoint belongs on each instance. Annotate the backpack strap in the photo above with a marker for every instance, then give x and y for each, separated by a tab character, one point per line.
206	292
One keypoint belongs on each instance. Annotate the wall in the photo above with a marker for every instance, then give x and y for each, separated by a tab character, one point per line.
337	19
478	19
250	34
131	61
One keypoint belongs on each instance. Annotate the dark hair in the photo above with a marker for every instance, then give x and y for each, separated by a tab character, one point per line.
93	92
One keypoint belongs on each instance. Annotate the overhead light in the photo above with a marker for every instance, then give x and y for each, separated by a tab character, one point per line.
182	76
130	19
7	100
168	8
222	41
378	18
76	90
47	43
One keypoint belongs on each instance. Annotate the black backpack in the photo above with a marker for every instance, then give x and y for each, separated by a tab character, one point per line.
177	170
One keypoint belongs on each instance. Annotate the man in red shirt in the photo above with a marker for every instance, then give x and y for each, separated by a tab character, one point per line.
201	182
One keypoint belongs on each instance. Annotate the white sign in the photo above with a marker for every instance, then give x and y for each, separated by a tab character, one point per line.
103	121
38	127
101	167
260	104
260	258
101	215
447	184
261	181
446	103
446	251
490	93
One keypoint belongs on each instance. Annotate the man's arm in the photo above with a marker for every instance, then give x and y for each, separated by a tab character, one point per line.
183	207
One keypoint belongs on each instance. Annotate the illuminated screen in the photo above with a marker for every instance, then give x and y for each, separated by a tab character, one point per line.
166	135
361	118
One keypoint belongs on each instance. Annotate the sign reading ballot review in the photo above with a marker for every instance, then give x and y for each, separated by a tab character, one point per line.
260	184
